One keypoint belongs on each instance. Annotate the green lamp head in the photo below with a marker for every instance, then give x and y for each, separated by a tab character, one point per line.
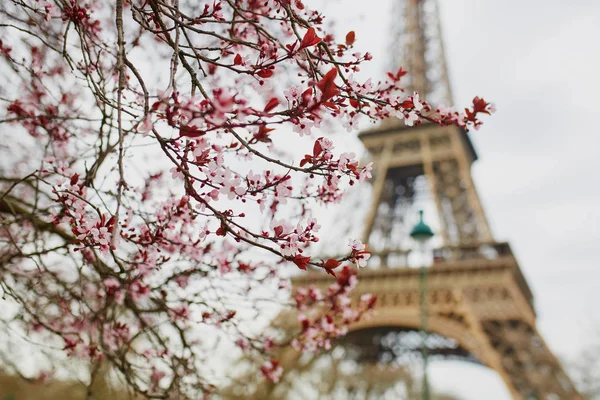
421	232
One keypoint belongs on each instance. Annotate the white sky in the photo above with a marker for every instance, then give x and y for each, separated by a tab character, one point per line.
539	62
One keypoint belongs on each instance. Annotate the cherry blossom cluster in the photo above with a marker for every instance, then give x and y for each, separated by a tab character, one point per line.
90	231
325	316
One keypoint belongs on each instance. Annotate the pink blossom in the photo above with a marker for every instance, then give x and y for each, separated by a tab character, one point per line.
351	123
326	144
290	247
253	179
180	312
112	285
242	344
293	93
182	280
303	127
410	118
156	377
100	235
272	370
138	291
365	172
327	324
146	125
417	105
356	244
231	185
176	173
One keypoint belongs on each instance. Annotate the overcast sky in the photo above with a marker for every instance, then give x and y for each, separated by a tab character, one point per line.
539	62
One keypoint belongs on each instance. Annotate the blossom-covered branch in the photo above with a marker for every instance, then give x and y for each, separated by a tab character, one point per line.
150	198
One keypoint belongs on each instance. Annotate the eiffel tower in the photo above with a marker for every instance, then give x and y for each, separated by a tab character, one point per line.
480	307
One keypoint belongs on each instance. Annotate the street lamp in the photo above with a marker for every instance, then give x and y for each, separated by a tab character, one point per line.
421	233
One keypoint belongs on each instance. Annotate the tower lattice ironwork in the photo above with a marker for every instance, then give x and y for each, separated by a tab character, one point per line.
480	305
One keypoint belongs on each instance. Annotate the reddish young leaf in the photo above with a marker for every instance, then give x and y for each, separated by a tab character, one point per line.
237	60
471	116
309	39
111	224
350	38
274	102
291	47
306	96
331	263
263	134
480	105
327	85
222	231
301	261
330	105
345	276
229	316
265	73
307	159
190	131
317	148
331	272
396	77
408	103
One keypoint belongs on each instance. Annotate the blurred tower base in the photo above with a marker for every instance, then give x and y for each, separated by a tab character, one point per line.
479	305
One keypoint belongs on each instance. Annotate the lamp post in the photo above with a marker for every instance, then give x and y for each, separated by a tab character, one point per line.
421	233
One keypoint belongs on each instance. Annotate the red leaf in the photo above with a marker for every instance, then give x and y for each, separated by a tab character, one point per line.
330	105
345	276
307	158
265	73
306	96
301	261
229	315
317	148
190	131
396	77
327	85
237	60
263	134
408	103
74	179
222	231
350	37
274	102
354	103
111	224
309	39
401	72
291	47
331	263
331	272
471	116
480	105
